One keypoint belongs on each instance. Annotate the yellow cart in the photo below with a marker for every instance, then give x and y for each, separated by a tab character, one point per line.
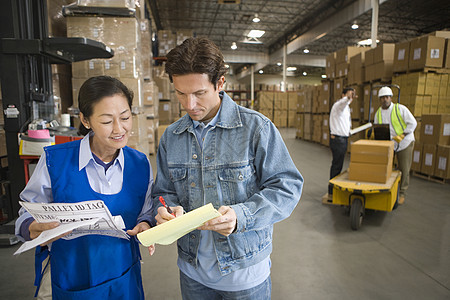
360	195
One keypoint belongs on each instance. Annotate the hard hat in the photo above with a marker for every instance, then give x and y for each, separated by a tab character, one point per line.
385	91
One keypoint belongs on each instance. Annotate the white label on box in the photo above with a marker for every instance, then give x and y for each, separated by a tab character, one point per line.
417	53
446	130
107	65
149	98
428	159
428	129
325	87
340	73
95	32
123	65
325	136
325	122
338	85
346	58
434	53
366	92
442	163
401	54
374	92
416	157
325	102
166	107
91	65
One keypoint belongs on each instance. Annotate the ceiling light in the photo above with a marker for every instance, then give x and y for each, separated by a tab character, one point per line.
233	46
291	69
227	66
256	33
324	76
355	26
367	42
261	71
304	73
306	50
256	19
279	64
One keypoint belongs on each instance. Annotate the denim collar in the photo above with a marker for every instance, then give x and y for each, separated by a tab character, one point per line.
228	117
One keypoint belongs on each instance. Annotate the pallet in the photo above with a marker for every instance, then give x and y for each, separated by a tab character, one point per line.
430	177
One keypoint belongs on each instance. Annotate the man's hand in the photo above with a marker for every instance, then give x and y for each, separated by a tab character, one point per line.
142	226
399	138
224	224
36	229
163	216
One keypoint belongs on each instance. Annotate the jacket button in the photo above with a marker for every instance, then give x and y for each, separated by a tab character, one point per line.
241	176
194	156
190	260
192	236
193	184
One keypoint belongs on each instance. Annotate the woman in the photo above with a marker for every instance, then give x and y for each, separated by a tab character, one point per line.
99	167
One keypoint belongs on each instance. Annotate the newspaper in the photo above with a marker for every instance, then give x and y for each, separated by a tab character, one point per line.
81	218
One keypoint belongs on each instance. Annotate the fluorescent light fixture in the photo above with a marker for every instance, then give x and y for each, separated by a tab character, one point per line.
256	19
367	42
291	69
261	71
304	73
233	46
251	40
324	76
306	50
256	33
279	64
355	26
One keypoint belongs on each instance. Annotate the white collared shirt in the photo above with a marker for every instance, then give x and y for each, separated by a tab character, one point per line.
340	117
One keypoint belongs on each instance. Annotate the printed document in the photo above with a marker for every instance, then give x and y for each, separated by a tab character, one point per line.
81	218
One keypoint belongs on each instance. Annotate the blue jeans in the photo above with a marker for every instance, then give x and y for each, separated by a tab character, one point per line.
192	290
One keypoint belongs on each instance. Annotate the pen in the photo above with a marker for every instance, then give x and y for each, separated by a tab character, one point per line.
161	199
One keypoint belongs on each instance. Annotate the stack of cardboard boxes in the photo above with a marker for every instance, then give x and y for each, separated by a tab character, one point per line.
129	37
371	161
431	155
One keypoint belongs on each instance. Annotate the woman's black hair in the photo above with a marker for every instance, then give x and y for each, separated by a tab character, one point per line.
94	90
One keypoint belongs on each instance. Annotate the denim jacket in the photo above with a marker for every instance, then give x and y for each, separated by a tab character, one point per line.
245	155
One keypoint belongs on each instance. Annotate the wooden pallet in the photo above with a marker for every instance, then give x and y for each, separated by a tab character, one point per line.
430	177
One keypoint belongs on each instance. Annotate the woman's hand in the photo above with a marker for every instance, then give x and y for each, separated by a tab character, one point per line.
36	229
142	226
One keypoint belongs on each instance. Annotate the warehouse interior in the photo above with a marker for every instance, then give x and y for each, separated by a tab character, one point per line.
289	60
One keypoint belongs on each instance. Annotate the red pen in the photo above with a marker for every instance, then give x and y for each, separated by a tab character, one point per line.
161	199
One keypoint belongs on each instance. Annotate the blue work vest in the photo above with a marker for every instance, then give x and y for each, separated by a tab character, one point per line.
96	266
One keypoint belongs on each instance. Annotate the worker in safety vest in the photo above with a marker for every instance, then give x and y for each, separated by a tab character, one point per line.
402	125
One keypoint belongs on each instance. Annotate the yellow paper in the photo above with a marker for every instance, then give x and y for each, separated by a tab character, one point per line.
170	231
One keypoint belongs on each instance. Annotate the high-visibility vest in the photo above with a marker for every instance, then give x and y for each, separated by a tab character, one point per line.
396	119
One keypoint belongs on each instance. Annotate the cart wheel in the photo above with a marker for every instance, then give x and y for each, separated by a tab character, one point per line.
356	214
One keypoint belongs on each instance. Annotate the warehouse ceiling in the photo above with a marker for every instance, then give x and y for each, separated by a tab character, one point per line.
321	26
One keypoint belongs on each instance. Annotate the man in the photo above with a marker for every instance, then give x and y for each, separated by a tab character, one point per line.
401	125
340	125
234	158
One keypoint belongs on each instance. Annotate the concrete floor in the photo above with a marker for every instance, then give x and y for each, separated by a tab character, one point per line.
404	254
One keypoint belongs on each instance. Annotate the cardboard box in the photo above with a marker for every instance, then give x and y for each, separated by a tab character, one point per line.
384	52
447	54
417	157
371	151
342	69
428	159
442	167
427	51
165	112
371	160
401	57
344	54
383	70
369	172
369	57
330	67
435	129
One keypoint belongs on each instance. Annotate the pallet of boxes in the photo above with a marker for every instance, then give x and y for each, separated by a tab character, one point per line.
422	69
126	31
